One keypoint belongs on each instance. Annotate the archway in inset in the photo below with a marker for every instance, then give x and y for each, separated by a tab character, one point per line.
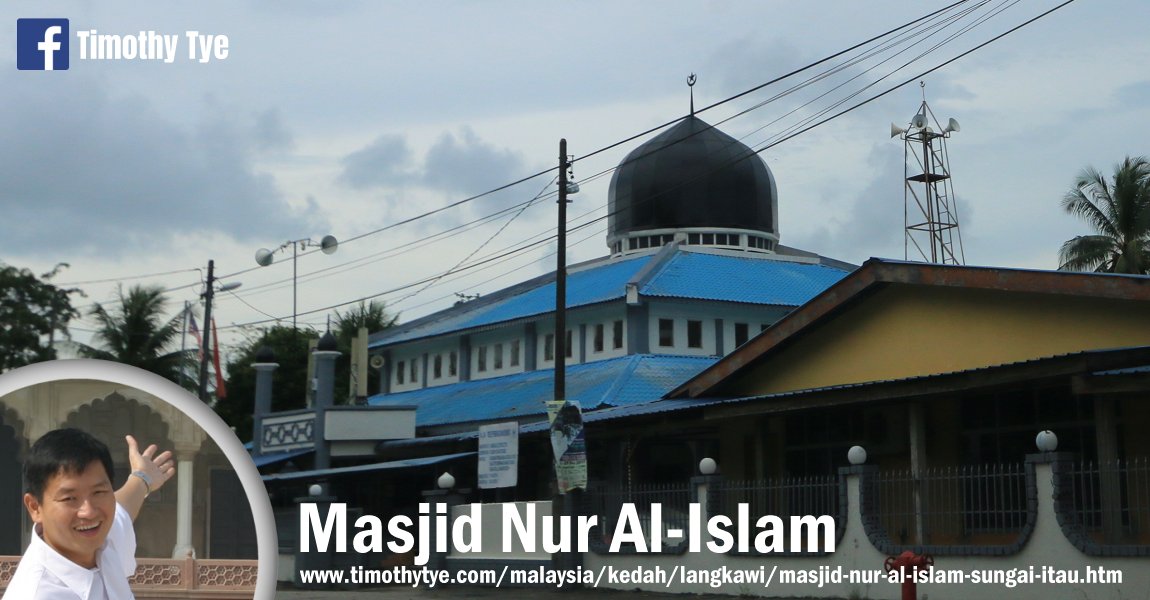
109	419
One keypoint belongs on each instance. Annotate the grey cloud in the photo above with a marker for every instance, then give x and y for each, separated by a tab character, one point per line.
1134	95
873	225
457	163
467	164
270	133
385	161
82	169
744	63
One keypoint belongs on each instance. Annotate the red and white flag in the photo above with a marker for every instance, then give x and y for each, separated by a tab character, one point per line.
195	331
221	389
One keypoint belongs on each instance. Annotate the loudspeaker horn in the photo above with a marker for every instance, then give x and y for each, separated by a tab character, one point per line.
952	125
896	131
376	362
264	257
328	244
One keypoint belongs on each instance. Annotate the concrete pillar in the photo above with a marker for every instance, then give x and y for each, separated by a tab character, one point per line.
324	357
917	425
184	470
448	498
264	372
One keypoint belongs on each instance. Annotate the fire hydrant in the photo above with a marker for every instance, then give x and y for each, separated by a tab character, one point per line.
913	562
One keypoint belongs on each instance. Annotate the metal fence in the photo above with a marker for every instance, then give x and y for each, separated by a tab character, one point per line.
783	497
607	502
969	505
1111	500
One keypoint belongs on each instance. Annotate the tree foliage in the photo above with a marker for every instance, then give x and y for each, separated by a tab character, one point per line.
1119	212
138	332
372	315
32	311
289	381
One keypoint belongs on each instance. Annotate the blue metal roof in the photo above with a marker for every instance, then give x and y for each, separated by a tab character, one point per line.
270	459
622	381
589	286
384	466
685	274
736	279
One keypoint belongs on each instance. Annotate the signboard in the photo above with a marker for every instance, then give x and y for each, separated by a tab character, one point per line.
498	455
567	445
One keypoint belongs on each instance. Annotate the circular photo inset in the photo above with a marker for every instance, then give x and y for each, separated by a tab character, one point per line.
112	476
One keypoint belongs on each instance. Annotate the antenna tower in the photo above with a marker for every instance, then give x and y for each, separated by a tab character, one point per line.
930	215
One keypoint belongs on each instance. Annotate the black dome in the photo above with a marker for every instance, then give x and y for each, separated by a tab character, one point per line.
327	343
692	175
265	354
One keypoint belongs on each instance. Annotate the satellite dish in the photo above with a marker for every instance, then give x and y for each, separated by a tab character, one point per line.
952	125
263	257
328	244
376	362
896	131
919	121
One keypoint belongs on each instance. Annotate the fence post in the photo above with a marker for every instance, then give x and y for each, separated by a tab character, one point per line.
449	497
704	487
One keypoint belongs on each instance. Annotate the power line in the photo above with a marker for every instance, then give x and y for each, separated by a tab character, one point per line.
615	144
759	150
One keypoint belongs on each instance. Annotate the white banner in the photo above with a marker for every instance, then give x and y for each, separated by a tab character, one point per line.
498	455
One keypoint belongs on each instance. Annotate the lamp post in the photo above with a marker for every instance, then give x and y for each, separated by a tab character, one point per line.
209	293
264	257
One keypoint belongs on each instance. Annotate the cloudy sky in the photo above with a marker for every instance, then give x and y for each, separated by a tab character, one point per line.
349	118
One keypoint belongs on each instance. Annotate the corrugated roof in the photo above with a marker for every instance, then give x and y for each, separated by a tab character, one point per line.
588	286
619	381
384	466
737	279
686	274
270	459
1127	371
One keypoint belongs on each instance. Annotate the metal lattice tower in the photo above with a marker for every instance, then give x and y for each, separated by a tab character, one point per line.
930	215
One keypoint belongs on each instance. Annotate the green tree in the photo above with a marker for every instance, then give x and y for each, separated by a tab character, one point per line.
289	382
372	315
32	312
139	333
1119	212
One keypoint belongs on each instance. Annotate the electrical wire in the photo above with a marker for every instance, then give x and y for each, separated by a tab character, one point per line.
762	148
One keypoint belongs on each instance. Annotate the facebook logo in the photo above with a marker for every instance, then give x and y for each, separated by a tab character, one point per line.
42	44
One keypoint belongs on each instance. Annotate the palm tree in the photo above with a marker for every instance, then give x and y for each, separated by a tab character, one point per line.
138	334
1119	211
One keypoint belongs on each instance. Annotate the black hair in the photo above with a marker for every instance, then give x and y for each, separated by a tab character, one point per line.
62	450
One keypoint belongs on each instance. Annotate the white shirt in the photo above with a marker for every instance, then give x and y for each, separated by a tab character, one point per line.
45	574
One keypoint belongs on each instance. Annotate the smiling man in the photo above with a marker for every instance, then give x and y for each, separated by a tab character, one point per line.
83	544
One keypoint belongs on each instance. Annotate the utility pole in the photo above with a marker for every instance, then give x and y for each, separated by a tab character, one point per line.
561	280
209	291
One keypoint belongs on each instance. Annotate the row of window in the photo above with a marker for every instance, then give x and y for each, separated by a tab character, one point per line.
695	333
598	340
407	370
496	356
696	239
493	357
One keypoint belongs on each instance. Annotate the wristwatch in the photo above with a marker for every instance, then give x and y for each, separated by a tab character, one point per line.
147	482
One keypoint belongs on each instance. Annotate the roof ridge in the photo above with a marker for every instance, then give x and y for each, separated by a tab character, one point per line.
613	389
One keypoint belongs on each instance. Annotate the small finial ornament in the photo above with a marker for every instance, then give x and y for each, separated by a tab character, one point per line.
691	85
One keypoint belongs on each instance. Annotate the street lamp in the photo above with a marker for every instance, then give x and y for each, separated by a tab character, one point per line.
264	258
209	292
